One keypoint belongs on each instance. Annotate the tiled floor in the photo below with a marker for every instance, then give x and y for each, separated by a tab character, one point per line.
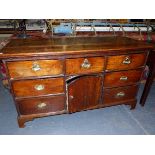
118	120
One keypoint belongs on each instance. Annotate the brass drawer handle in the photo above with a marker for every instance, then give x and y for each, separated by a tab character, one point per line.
123	78
127	61
41	105
86	64
120	94
39	87
36	67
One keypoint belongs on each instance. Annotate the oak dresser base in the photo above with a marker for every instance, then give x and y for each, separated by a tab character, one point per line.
63	75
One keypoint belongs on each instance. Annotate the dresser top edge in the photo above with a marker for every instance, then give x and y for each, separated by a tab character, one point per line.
72	46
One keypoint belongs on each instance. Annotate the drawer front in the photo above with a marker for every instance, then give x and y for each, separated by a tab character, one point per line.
126	61
122	78
20	69
41	105
84	65
115	95
38	87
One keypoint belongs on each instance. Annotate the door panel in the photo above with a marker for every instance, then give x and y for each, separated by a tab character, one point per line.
84	93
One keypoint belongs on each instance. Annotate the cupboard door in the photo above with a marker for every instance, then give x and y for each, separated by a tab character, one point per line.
84	93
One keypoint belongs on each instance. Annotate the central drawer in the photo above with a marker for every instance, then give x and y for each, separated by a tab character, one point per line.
21	69
85	65
41	105
25	88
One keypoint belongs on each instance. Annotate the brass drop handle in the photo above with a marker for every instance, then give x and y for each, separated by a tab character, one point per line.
39	87
36	67
120	94
86	64
123	78
127	61
41	105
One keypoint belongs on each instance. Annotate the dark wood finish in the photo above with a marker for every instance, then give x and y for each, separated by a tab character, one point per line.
41	105
149	81
74	66
84	93
68	74
20	69
72	45
27	88
24	118
117	62
111	97
131	102
115	79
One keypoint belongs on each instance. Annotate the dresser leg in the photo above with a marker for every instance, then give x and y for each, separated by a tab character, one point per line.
22	120
133	104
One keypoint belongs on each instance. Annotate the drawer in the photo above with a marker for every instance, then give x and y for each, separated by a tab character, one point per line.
41	105
85	65
122	78
115	95
20	69
38	87
123	62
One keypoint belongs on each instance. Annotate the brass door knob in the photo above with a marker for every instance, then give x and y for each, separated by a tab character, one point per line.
86	64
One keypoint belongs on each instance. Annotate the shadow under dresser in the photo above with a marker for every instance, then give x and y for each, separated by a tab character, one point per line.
71	74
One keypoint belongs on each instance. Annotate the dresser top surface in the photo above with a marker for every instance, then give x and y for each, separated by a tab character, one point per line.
70	45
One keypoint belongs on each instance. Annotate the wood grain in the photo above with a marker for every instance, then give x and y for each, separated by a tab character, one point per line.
20	69
74	66
116	62
110	95
84	93
115	79
30	106
26	88
72	46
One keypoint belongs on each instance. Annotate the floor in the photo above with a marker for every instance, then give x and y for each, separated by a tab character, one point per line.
116	120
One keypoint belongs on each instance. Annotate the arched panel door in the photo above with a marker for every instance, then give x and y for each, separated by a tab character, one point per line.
84	93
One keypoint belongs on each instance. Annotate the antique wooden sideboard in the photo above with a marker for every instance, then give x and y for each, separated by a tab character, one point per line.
70	74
